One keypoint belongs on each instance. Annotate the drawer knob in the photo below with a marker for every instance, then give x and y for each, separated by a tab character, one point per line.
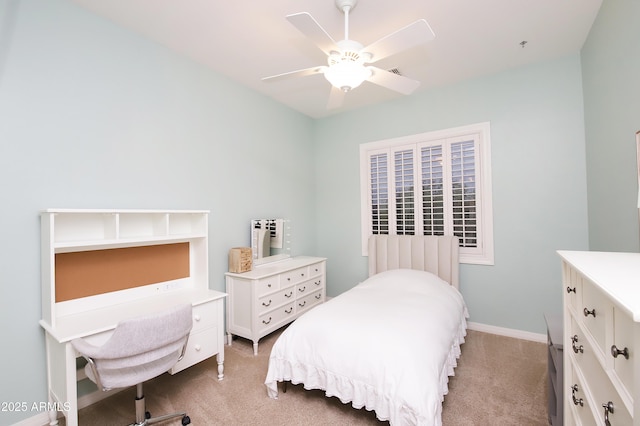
576	348
589	312
608	408
615	352
571	289
197	348
196	318
576	401
267	303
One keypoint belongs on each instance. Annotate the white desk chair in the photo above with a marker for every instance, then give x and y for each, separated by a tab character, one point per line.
138	350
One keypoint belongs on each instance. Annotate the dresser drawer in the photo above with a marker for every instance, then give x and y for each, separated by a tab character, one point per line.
267	285
276	317
572	287
597	381
267	303
579	407
623	341
594	313
201	345
316	269
296	276
309	301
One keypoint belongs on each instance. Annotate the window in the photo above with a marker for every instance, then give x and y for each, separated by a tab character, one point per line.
436	183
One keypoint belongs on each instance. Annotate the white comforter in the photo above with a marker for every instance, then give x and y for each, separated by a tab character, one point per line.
389	344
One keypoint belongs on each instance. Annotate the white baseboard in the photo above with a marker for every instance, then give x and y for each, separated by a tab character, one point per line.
508	332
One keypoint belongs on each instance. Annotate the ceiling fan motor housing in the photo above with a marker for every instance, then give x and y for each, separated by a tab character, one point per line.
341	4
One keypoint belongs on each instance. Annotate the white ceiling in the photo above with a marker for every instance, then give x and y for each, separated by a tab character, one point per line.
250	39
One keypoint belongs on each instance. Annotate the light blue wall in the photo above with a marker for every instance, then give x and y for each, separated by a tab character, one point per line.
539	183
611	80
92	116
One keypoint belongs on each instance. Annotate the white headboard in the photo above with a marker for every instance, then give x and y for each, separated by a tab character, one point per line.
435	254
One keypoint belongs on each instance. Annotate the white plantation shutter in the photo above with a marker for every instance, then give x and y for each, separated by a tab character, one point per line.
404	173
433	185
463	190
379	193
433	196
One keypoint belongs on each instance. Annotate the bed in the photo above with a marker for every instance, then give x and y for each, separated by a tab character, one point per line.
390	343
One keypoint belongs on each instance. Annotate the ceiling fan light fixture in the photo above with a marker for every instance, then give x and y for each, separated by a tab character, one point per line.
347	75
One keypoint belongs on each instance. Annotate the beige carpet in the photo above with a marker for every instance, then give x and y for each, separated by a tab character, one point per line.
498	381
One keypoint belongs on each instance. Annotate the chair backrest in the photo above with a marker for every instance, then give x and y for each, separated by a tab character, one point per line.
139	348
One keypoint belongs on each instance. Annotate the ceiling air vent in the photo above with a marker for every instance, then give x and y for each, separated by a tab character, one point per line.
395	71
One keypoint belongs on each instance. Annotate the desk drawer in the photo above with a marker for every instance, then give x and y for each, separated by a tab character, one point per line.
205	315
201	346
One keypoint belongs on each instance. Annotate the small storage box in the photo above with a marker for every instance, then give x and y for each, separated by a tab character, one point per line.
240	259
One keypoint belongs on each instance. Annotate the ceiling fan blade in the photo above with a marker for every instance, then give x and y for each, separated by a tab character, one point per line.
410	36
393	81
308	26
298	73
336	97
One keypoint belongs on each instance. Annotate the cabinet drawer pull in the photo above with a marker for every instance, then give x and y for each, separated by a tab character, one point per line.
318	282
576	401
302	304
615	352
576	349
302	289
318	296
288	311
289	295
267	321
608	408
589	312
267	303
571	289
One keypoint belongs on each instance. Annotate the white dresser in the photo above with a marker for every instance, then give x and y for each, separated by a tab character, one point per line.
272	295
601	331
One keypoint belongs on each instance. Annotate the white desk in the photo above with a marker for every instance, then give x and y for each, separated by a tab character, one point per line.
206	339
88	305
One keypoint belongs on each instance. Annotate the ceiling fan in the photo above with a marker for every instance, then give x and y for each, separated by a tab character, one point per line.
348	61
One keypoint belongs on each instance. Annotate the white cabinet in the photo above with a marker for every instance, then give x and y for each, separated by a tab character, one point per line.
601	331
272	295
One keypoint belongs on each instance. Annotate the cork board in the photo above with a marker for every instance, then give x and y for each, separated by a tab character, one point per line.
89	273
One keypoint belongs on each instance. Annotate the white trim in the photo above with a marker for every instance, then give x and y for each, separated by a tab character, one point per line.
508	332
481	133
